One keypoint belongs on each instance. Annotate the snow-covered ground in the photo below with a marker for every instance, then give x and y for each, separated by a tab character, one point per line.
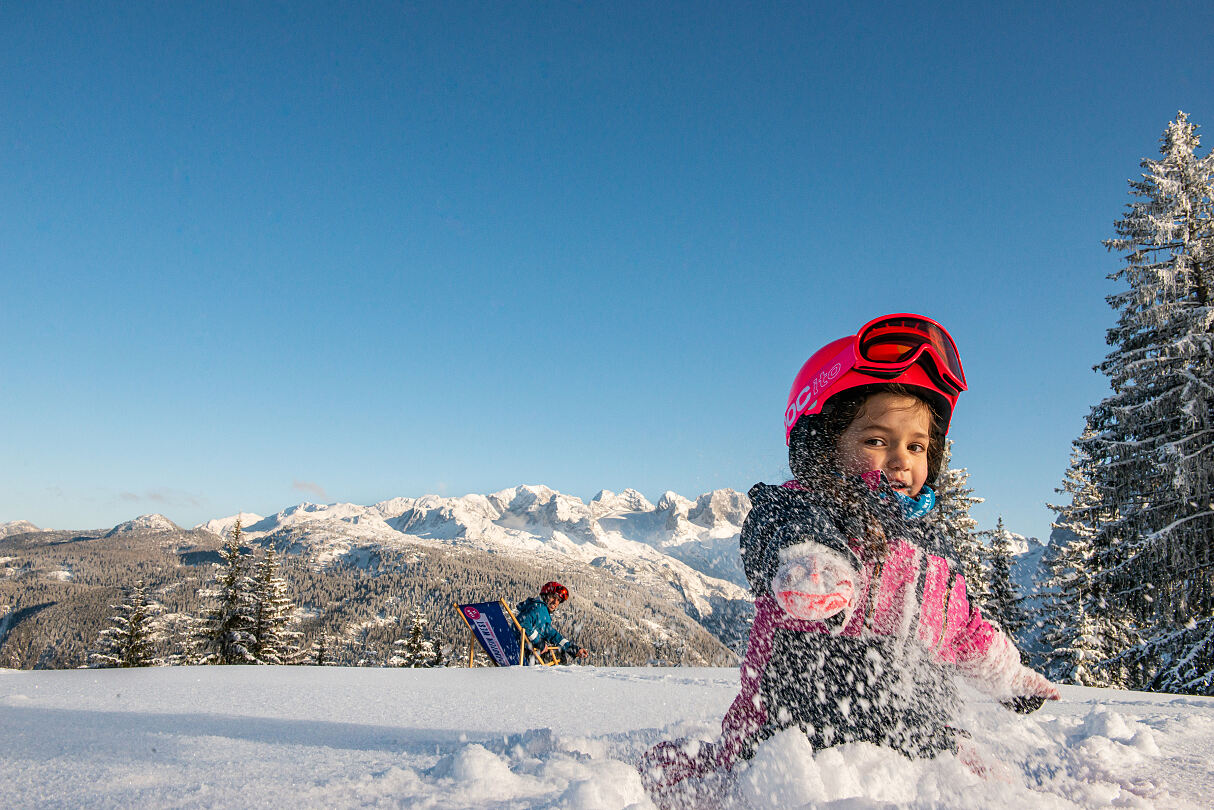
566	737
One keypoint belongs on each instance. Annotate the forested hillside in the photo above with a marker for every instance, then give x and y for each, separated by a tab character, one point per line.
57	589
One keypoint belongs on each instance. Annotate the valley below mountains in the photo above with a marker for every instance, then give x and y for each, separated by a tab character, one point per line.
652	583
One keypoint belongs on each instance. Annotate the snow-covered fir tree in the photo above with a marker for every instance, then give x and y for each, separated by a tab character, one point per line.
274	642
1153	442
322	653
1081	627
1003	602
130	640
954	499
419	649
224	635
364	649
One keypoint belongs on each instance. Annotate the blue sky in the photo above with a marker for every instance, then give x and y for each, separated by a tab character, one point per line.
253	254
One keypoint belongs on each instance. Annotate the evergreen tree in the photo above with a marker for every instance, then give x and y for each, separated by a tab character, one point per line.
954	499
364	650
972	557
273	640
321	654
1003	603
225	633
438	658
1081	628
418	650
131	638
1153	439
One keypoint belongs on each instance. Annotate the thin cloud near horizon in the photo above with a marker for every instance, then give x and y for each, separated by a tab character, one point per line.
310	486
163	497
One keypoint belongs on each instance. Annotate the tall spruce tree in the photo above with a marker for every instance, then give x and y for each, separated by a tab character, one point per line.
321	654
130	640
1153	439
954	499
225	632
274	642
1081	630
363	648
1003	603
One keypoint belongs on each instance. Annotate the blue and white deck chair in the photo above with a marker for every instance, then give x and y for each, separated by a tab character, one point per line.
499	634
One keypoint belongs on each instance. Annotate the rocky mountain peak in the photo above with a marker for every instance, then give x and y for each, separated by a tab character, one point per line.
627	501
719	506
17	527
154	522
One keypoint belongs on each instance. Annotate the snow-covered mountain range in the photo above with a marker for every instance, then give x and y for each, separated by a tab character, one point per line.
685	549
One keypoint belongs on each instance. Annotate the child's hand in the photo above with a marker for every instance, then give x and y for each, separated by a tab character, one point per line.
1023	705
1034	691
1029	683
814	586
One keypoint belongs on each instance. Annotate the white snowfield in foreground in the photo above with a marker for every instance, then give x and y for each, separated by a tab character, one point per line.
567	737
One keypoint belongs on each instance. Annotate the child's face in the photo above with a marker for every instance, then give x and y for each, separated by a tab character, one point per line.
890	434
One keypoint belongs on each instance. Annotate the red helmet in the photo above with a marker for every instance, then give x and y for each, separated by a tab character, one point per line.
554	589
902	348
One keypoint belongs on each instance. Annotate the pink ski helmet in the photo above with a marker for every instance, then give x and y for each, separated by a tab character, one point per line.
907	349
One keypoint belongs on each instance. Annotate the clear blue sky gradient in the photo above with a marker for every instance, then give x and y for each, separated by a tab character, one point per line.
253	254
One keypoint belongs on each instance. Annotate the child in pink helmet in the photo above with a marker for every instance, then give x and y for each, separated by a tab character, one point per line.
861	615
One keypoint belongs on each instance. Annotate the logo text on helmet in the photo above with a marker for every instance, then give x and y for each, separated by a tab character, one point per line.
814	387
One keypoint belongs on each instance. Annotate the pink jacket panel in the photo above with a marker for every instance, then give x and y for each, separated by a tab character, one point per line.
931	609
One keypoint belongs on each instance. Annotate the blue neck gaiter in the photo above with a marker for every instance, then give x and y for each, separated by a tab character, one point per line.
912	508
915	508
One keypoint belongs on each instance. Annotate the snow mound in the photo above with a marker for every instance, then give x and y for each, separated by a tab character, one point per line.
787	772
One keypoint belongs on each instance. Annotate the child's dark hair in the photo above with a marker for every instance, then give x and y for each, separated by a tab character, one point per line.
814	459
812	444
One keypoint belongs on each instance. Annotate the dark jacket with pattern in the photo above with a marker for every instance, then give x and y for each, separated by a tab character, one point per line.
880	673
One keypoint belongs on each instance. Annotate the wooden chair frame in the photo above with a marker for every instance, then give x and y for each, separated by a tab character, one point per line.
525	645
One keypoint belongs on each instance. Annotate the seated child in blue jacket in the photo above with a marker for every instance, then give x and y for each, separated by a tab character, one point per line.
535	615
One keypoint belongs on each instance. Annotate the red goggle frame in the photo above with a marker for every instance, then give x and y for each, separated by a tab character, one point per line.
891	344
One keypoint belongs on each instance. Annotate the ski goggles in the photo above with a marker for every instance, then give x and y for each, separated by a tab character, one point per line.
891	344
